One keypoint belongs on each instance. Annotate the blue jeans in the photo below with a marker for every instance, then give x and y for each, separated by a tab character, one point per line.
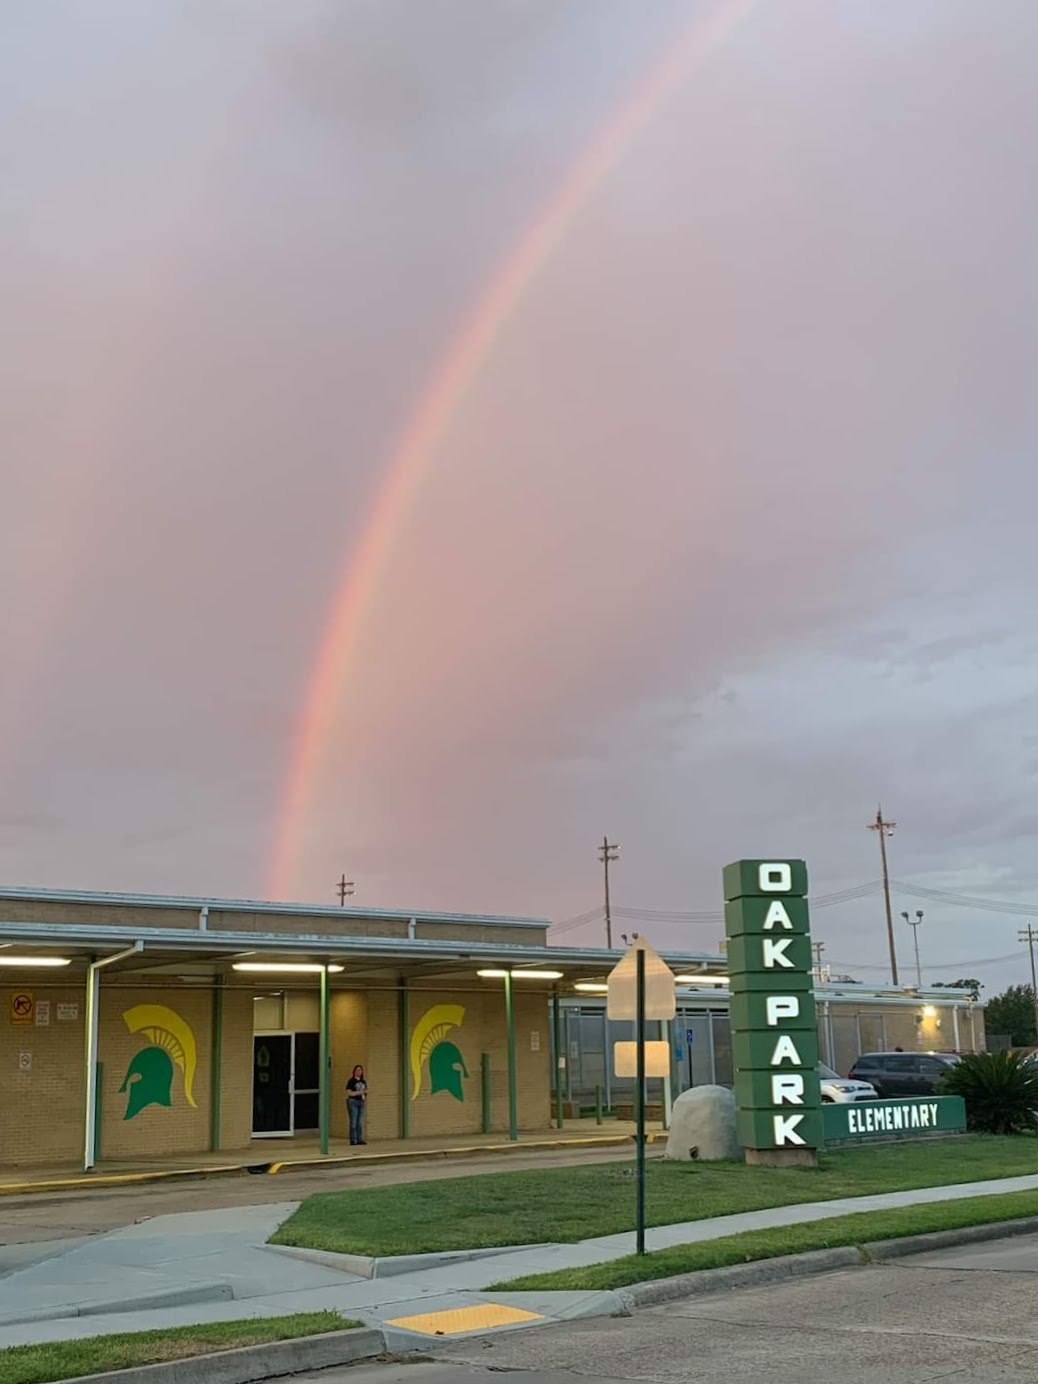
355	1109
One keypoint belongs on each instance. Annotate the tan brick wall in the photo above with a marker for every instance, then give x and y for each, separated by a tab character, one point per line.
42	1108
349	1044
236	1070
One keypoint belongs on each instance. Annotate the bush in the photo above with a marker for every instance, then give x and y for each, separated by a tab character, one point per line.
1000	1090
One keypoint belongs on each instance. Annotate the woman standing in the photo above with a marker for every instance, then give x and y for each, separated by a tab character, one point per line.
356	1098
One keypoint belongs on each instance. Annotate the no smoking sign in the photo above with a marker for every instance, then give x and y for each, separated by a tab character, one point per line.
23	1007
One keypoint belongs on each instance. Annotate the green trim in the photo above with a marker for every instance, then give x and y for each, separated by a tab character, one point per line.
513	1111
99	1086
323	1102
403	1035
484	1075
216	1080
556	1019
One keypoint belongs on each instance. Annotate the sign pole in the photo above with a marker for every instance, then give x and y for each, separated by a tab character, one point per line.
640	1101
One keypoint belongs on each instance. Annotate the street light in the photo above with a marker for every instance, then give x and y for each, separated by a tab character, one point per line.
913	923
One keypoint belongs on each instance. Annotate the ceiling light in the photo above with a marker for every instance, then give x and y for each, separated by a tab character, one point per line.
520	975
34	960
295	967
592	987
701	980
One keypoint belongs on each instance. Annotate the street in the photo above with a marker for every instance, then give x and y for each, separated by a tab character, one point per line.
969	1314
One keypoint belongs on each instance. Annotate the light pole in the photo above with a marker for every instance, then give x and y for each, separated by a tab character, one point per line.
913	923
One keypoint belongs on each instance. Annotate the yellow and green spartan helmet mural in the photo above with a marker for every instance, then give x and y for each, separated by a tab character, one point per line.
431	1046
171	1045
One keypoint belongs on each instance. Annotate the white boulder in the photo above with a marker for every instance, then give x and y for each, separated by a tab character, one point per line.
702	1125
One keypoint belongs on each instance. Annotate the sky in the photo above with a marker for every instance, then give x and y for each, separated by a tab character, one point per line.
727	539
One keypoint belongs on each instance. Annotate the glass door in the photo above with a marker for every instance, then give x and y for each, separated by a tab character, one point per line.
272	1085
305	1087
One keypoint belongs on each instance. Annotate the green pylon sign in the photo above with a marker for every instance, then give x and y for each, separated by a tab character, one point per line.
774	1034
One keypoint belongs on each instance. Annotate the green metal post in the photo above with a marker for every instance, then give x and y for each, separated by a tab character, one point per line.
513	1112
556	1014
598	1105
324	1075
215	1084
484	1072
99	1086
639	1102
403	1028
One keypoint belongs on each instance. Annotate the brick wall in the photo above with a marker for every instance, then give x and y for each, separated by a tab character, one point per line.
41	1107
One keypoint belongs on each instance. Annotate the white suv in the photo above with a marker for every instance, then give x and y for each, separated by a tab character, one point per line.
839	1090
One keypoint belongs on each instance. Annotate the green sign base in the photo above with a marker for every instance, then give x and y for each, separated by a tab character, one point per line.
878	1121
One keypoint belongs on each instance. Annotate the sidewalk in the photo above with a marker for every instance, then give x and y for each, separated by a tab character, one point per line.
273	1156
205	1266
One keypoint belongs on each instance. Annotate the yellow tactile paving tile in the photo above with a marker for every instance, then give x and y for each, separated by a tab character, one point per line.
455	1321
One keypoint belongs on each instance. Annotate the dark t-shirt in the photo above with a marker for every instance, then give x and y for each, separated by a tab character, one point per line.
357	1087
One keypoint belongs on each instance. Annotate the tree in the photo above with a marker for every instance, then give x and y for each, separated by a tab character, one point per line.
973	986
1013	1014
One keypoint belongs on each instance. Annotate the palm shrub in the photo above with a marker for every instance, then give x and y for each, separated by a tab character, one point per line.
1000	1090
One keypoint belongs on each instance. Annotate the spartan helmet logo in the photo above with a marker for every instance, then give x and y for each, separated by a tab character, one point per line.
149	1077
446	1068
429	1045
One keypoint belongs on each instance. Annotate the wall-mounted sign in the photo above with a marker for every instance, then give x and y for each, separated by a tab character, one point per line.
774	1037
42	1013
23	1007
68	1013
25	1061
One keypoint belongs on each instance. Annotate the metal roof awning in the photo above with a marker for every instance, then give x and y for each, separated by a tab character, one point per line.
357	955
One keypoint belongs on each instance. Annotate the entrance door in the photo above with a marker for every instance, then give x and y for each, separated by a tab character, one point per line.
305	1089
271	1085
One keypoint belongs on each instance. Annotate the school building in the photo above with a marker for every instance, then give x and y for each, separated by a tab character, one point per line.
139	1027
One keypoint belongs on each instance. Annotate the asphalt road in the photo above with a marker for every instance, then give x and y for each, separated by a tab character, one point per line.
968	1315
54	1216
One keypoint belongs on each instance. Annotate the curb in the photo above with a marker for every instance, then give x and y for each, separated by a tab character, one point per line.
764	1271
737	1276
390	1266
216	1290
269	1361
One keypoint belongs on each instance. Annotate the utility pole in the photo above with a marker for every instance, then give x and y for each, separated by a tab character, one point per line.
1029	936
608	851
914	925
345	890
886	829
818	948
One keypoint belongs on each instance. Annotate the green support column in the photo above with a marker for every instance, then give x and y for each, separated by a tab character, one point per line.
484	1073
556	1015
513	1112
215	1085
324	1075
403	1033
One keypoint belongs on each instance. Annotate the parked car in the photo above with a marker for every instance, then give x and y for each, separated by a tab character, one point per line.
837	1089
902	1073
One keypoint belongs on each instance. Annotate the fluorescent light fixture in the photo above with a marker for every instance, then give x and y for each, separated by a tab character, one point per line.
520	975
929	1011
295	967
701	980
592	987
34	960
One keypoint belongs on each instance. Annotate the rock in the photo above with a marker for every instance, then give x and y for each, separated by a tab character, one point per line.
702	1125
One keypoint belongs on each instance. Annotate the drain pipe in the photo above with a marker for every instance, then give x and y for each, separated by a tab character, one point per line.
93	995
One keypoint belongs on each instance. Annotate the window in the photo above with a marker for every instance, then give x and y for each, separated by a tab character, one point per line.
901	1062
933	1066
868	1062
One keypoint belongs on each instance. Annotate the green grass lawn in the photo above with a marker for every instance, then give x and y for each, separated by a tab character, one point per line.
95	1354
566	1204
863	1228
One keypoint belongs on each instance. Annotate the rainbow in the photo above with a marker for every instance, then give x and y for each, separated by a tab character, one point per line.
438	404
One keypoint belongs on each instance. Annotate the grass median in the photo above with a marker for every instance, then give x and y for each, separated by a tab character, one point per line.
41	1364
862	1228
568	1204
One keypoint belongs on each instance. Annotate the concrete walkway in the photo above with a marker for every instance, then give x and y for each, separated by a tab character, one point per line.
210	1266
